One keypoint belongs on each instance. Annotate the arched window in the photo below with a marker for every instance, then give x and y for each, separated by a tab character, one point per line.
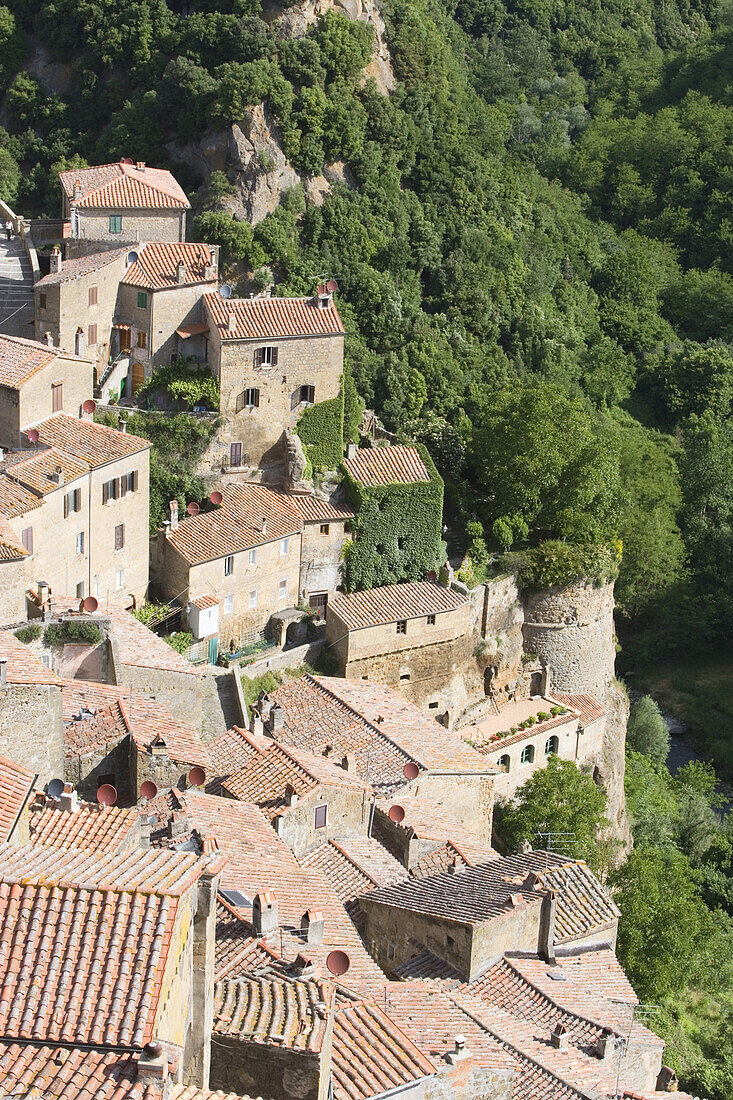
527	754
553	745
505	762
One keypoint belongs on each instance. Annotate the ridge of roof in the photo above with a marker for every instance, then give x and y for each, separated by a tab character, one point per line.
272	318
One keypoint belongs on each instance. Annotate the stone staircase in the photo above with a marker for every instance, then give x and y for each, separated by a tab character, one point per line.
16	288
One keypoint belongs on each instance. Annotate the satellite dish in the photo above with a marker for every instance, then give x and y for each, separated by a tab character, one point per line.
126	160
33	435
216	497
148	789
432	575
225	291
132	257
55	788
396	814
89	406
193	508
90	604
331	285
410	770
106	794
197	776
337	963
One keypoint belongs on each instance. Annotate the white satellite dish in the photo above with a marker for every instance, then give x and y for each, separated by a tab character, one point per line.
225	291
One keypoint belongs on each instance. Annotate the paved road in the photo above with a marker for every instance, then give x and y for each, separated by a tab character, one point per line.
16	289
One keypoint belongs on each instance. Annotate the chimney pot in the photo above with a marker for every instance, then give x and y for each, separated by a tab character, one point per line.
606	1045
180	273
77	188
264	913
560	1037
69	799
291	795
56	262
153	1062
264	525
312	926
351	450
140	166
231	322
122	424
49	339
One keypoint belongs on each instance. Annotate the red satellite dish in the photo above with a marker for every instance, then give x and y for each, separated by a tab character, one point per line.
90	603
196	776
337	963
396	814
331	285
216	497
106	794
89	406
33	435
410	770
193	508
432	575
148	789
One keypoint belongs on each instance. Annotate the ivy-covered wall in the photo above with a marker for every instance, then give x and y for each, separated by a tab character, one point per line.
321	428
398	531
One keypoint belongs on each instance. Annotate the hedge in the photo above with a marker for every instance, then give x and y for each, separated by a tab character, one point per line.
560	563
398	531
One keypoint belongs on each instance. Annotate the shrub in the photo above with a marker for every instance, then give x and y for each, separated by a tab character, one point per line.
61	633
181	641
151	613
30	633
647	731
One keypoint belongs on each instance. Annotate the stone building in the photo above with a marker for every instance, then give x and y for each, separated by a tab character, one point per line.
326	532
427	837
68	822
242	561
307	798
78	501
15	574
75	304
412	637
273	357
37	381
122	203
16	790
31	727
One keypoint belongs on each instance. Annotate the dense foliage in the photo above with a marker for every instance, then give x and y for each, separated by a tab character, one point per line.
321	429
183	382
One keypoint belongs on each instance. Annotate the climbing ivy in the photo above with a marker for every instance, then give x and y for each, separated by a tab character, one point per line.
398	531
321	428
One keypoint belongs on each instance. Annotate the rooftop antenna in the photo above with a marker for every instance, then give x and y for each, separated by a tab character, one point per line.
553	844
621	1043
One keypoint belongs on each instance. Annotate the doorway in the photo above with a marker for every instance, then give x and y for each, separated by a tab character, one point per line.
138	377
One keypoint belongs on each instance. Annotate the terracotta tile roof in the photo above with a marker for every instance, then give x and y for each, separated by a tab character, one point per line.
272	318
37	472
109	186
393	603
236	524
95	444
387	465
382	711
587	707
49	1072
237	952
274	1011
595	977
583	904
83	265
20	359
156	871
429	820
317	510
202	602
117	711
371	1054
354	866
191	1092
16	784
141	648
23	667
265	777
259	860
424	966
15	499
230	751
66	963
91	827
156	266
11	548
441	859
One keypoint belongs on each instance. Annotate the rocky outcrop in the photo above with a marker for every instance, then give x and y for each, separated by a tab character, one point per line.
295	464
257	167
205	156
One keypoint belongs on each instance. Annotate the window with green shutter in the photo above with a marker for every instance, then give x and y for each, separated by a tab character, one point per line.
115	223
142	300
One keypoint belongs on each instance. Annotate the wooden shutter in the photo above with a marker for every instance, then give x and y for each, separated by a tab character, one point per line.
67	505
92	337
258	357
105	492
26	537
274	356
256	399
57	400
123	485
92	295
133	475
240	401
119	536
77	500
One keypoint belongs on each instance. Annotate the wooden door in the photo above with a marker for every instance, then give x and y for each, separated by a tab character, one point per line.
138	377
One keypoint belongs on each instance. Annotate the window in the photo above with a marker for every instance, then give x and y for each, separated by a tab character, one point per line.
80	590
80	543
266	357
433	705
307	395
284	547
251	399
72	502
142	339
282	591
119	536
404	676
431	620
553	745
505	762
320	817
129	482
402	627
110	490
391	950
120	578
228	605
252	557
142	300
26	537
92	334
92	295
229	565
253	598
41	301
325	528
57	396
115	223
235	454
527	756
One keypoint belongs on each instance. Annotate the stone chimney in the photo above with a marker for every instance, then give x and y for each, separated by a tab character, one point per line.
56	261
459	1050
264	913
173	505
546	945
122	425
348	762
140	166
77	189
312	926
351	450
180	273
264	525
57	477
143	825
606	1045
291	795
667	1080
231	322
546	681
560	1037
152	1063
276	719
49	338
68	799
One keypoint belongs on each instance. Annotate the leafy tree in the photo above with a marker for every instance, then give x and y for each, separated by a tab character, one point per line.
647	732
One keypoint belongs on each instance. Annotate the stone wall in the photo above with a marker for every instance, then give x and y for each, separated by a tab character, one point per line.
105	763
31	728
321	558
15	578
240	1066
180	692
138	227
347	815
